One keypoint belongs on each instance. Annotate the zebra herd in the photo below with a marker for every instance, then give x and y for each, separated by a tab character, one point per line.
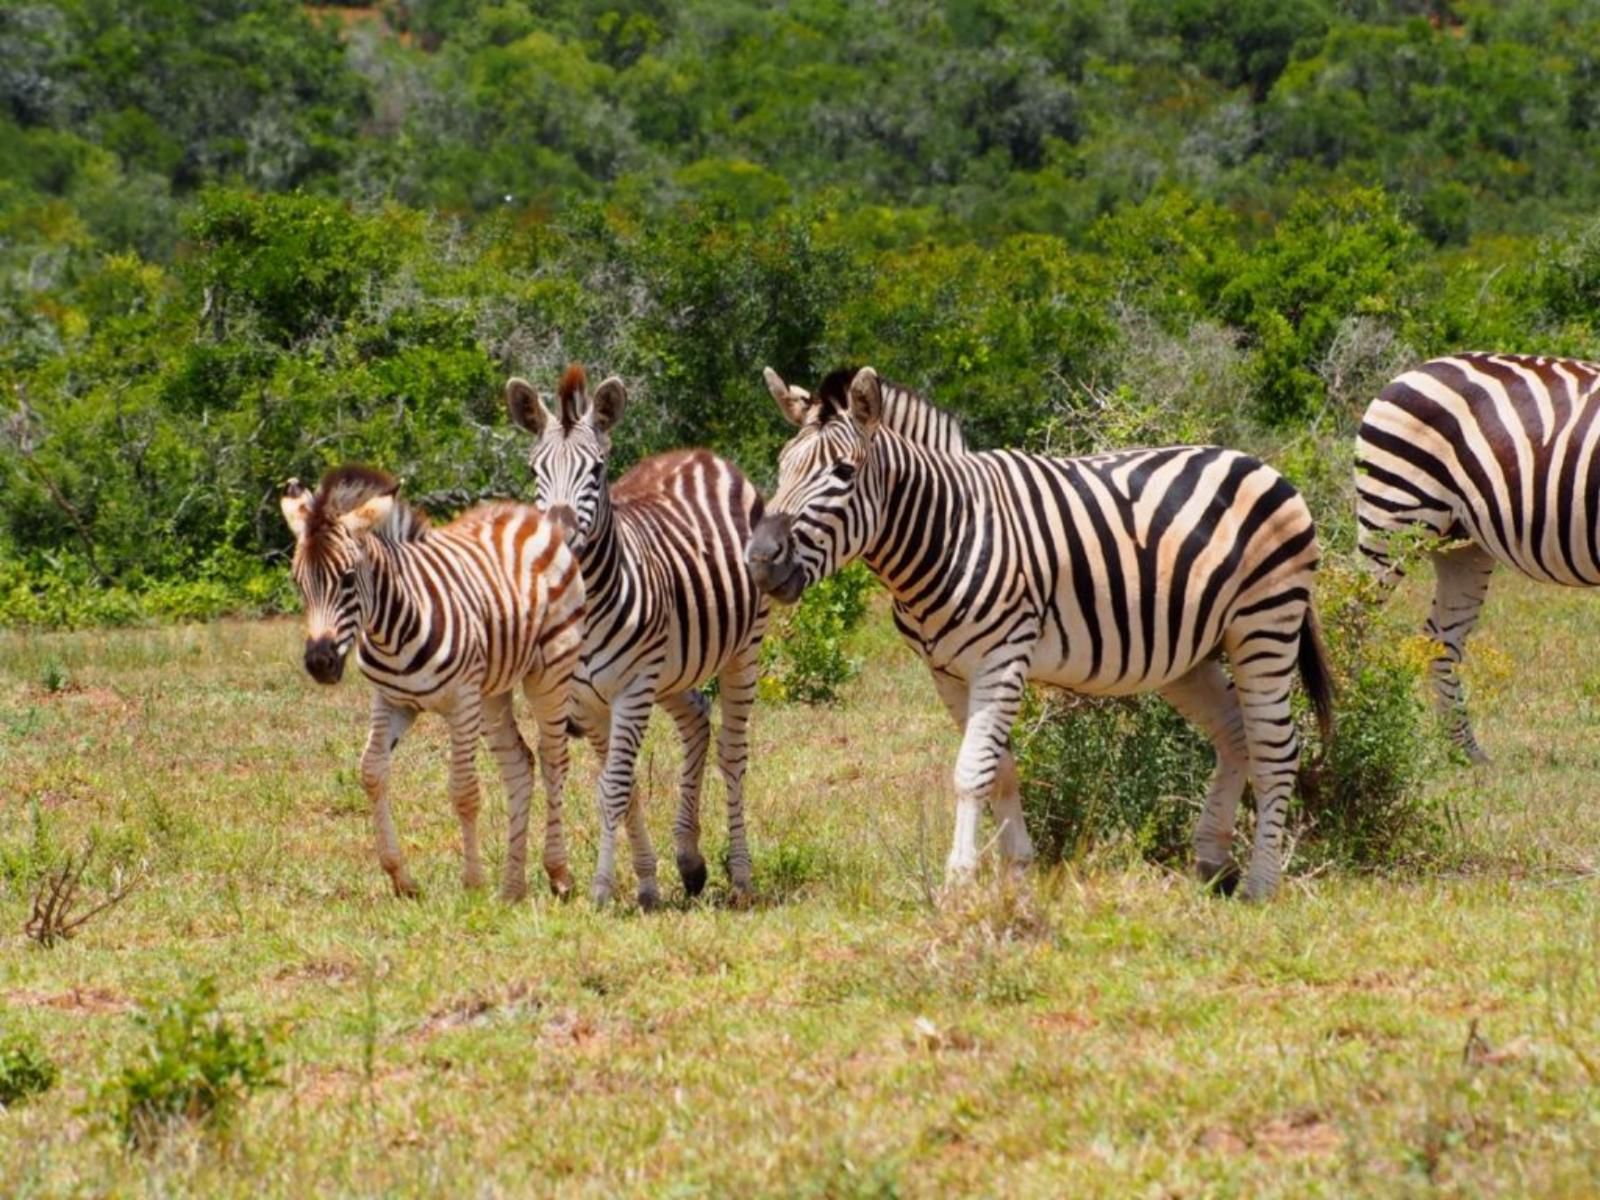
1110	574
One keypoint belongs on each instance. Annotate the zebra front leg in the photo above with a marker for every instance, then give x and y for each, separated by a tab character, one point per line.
466	726
690	713
516	772
1461	581
994	699
737	697
549	701
1016	847
630	716
1263	660
389	725
1207	699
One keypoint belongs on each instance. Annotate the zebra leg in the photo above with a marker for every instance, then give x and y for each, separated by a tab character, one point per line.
993	702
737	697
1006	800
1206	698
690	712
389	725
466	725
630	715
516	772
1461	581
549	700
1263	659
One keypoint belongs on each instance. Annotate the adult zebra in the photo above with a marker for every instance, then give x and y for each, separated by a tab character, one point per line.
445	620
671	606
1110	574
1492	452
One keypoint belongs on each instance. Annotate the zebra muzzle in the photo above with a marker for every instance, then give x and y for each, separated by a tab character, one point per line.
770	557
324	660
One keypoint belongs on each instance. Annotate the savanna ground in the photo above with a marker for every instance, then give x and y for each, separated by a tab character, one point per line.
1110	1030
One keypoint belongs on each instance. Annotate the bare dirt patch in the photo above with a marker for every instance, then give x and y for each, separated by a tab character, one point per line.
91	1000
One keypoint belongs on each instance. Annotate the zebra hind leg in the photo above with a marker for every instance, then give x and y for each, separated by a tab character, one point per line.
549	701
1207	699
737	699
630	714
690	712
1461	582
516	772
466	725
1263	658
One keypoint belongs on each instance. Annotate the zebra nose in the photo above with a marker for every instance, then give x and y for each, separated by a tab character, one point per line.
769	542
565	518
324	663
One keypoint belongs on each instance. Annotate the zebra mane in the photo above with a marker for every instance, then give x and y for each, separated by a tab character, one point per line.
574	383
344	489
904	411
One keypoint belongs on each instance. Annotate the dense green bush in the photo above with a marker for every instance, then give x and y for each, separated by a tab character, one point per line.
1099	770
196	1068
803	657
25	1070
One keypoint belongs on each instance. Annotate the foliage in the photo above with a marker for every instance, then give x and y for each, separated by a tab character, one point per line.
1096	770
25	1070
196	1067
803	657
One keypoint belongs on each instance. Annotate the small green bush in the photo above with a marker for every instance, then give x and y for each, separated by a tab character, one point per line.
25	1070
803	658
196	1068
1095	770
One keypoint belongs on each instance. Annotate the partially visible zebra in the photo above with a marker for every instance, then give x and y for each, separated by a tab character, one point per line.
671	606
445	620
1492	459
1110	574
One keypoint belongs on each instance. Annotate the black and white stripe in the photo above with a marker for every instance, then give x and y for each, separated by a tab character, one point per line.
447	620
1490	458
671	606
1110	574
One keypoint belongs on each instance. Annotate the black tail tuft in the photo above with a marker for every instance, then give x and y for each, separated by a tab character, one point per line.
1314	673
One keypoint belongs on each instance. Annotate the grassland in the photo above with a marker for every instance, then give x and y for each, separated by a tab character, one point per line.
1106	1031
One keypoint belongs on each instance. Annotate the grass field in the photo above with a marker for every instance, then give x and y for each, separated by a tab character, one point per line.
1106	1031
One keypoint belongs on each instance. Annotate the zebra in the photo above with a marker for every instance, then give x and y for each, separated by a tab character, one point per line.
671	606
1110	574
1490	458
444	619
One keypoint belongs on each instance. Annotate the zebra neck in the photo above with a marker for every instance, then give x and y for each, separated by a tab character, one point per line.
922	522
605	562
391	617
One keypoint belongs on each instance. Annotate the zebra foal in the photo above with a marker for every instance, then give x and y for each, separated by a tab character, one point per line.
1495	453
1110	574
447	620
671	605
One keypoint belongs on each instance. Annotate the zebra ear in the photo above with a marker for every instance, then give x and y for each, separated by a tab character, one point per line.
793	403
866	401
525	407
610	398
296	505
369	513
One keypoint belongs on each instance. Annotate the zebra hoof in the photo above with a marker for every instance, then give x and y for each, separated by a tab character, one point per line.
513	894
600	894
1221	879
1257	893
405	887
649	897
693	873
1477	757
743	897
561	884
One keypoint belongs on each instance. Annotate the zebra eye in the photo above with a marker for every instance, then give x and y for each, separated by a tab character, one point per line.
844	472
347	579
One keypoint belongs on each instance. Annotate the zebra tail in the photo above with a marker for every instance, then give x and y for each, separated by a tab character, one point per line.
1316	676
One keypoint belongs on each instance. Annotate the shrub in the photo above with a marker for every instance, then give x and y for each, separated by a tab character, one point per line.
803	658
1099	769
196	1068
25	1070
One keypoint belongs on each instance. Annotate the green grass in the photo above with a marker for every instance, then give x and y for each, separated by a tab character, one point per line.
1108	1030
